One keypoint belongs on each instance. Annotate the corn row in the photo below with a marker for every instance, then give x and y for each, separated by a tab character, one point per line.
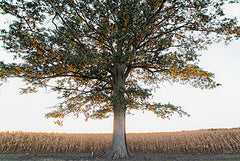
192	142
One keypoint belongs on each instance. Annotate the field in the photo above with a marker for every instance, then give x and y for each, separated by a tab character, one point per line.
188	142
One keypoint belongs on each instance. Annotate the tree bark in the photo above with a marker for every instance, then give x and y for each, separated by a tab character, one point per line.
118	148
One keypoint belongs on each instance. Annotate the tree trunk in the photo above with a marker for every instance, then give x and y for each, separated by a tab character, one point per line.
119	148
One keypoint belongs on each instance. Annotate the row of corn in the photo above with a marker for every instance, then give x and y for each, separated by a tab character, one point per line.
191	142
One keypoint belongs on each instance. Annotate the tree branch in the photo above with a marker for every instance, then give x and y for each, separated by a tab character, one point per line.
76	89
69	27
64	75
154	15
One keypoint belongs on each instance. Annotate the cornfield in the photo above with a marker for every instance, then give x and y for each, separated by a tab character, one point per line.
190	142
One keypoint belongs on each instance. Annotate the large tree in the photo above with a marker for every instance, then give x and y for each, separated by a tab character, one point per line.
97	53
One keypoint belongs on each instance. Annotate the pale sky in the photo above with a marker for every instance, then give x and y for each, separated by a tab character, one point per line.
217	108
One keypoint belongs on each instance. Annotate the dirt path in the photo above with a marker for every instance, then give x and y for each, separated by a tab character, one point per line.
135	157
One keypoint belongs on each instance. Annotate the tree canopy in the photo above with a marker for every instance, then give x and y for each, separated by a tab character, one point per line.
77	44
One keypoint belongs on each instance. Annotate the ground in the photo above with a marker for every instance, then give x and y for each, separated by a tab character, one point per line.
135	157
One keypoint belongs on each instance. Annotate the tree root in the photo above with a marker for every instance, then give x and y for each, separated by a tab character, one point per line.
116	155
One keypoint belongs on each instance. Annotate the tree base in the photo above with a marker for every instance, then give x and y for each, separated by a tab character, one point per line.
117	154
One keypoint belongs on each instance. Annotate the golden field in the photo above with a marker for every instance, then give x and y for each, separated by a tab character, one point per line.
188	142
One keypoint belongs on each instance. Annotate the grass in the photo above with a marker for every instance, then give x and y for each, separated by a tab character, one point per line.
188	142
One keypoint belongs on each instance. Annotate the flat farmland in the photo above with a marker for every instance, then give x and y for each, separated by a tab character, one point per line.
186	142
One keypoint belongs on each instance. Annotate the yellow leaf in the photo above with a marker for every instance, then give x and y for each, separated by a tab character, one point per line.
42	47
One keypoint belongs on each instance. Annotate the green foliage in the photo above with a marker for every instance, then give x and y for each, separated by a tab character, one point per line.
83	49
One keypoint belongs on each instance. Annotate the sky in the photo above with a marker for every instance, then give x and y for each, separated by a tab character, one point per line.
216	108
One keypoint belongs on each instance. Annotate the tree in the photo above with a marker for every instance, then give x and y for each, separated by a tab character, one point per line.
97	53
